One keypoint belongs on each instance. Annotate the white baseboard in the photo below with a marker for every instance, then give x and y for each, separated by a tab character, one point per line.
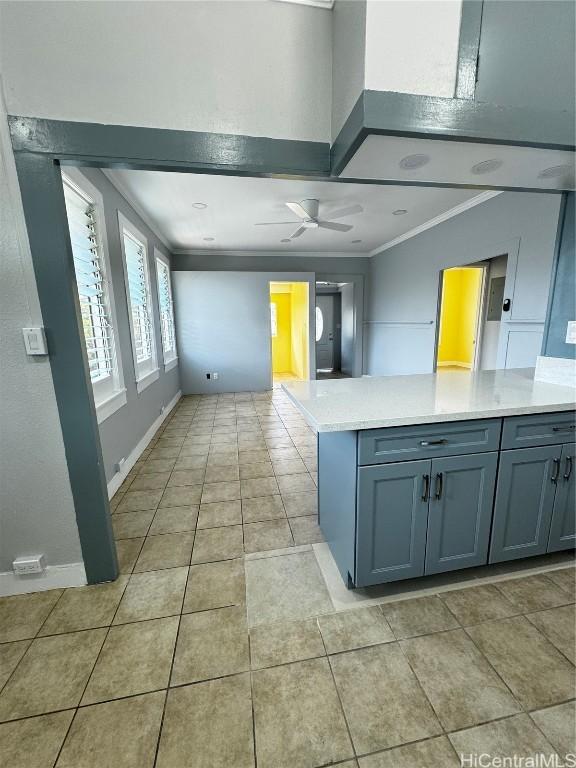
54	577
135	454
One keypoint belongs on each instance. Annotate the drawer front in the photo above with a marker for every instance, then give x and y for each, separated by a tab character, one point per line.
539	429
380	446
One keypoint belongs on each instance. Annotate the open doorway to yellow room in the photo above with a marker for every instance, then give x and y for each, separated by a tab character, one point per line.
289	331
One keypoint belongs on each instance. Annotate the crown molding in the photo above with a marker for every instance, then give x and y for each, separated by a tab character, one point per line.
449	214
270	252
127	195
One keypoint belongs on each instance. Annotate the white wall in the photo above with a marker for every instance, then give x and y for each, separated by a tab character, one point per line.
404	281
36	506
256	68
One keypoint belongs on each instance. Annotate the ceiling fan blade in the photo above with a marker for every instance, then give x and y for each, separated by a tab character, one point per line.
299	210
334	226
299	231
273	223
349	211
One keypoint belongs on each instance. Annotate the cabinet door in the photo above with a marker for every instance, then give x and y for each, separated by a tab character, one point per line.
460	513
524	501
391	521
563	526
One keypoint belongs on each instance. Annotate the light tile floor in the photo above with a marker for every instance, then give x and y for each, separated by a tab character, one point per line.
228	643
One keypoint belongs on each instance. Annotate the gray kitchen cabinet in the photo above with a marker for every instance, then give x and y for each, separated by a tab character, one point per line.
391	521
563	525
460	512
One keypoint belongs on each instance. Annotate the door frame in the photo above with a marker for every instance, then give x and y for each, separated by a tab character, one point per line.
357	281
297	277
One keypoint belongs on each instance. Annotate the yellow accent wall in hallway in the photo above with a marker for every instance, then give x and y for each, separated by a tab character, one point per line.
461	293
290	345
282	342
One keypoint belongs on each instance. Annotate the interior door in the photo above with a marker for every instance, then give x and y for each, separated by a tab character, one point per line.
325	322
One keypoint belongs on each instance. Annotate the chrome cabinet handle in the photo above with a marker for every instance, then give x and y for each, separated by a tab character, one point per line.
439	484
556	470
426	443
425	487
568	471
569	428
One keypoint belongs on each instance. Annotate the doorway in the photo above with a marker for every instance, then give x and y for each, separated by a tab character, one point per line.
335	330
460	318
289	329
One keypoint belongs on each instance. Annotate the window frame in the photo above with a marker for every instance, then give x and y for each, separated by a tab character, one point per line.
143	375
109	394
170	360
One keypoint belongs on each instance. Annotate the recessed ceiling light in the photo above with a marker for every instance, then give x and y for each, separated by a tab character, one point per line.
199	206
356	241
487	166
399	212
412	162
285	240
555	172
208	239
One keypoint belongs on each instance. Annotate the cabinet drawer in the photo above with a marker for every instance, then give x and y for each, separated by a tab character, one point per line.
380	446
539	429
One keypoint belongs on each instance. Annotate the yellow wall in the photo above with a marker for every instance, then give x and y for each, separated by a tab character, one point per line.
461	289
290	346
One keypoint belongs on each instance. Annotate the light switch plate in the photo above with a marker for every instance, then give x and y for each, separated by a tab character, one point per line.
571	332
35	341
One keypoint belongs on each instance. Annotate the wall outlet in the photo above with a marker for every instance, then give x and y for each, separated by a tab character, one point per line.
120	464
571	332
215	375
23	566
208	375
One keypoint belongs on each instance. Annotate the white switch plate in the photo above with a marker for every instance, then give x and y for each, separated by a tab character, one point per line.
35	341
571	332
215	375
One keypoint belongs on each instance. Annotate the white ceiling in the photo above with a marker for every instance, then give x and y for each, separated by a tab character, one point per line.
379	157
235	204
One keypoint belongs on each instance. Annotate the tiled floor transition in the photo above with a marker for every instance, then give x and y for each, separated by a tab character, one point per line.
228	643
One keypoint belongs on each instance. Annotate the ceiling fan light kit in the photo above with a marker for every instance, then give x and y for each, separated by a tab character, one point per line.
308	213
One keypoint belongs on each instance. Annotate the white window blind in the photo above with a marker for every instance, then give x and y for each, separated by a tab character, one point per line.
166	310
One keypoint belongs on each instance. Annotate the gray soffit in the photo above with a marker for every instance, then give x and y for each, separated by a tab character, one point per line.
469	44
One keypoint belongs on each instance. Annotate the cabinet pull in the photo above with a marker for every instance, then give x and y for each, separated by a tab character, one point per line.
556	470
567	428
425	487
426	443
568	471
439	484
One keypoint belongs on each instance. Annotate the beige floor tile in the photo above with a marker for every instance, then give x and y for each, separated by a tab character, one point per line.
285	450
299	504
150	482
167	452
190	449
559	626
51	675
260	469
35	742
135	658
127	551
211	644
181	496
432	753
215	585
461	685
254	457
174	519
275	644
296	483
220	513
260	508
152	595
131	525
533	593
220	491
138	501
222	460
211	721
153	466
565	578
123	732
512	737
259	486
271	534
347	630
418	616
297	716
535	671
558	725
222	474
289	467
306	530
185	477
191	462
383	702
168	550
85	608
473	605
21	616
10	655
285	588
212	544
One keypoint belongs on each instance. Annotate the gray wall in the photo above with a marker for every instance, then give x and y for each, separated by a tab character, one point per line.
347	330
223	326
121	432
36	507
563	298
403	294
348	55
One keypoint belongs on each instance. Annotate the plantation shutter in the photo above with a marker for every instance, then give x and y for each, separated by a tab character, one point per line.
140	307
166	310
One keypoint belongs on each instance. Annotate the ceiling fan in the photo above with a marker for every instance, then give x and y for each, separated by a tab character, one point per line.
308	213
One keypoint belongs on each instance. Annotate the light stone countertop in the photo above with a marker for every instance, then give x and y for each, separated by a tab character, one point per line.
338	405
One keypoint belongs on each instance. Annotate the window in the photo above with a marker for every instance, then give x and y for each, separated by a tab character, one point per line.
319	323
137	278
166	306
85	213
273	319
